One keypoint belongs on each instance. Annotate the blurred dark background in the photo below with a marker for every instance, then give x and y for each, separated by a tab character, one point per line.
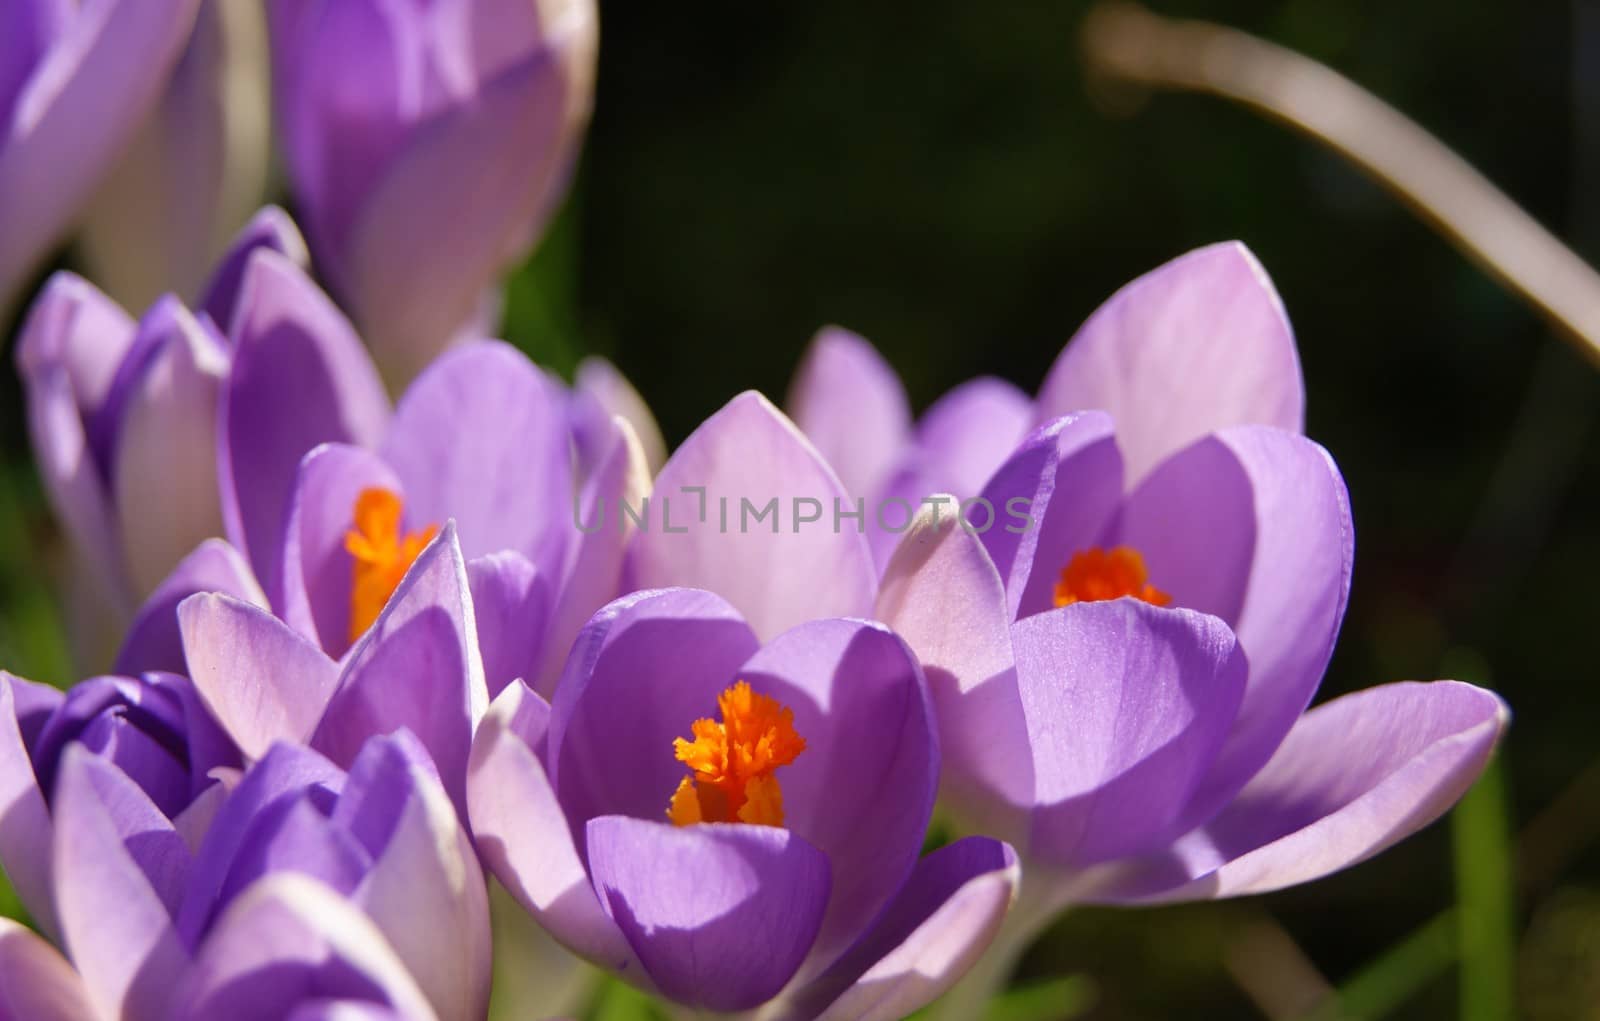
939	178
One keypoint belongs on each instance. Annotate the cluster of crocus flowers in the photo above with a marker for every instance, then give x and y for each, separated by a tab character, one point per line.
467	632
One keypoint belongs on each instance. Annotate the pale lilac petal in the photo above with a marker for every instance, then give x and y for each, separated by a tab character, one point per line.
1253	525
425	891
36	982
68	352
1190	347
934	930
318	572
862	791
721	914
290	940
165	461
593	573
851	404
300	377
646	667
260	679
511	603
79	109
523	835
154	641
1354	777
602	381
778	572
25	829
941	593
1065	479
1127	705
416	263
119	867
482	436
271	228
417	667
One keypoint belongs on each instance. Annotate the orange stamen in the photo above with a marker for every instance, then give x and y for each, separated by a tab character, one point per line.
1095	574
382	555
732	763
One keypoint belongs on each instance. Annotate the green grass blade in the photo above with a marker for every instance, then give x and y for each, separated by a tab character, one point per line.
1480	829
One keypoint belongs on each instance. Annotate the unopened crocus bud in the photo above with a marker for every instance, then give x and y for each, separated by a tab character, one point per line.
427	143
197	169
76	81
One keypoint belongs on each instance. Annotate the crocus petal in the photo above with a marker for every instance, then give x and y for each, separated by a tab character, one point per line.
511	602
271	228
25	830
941	593
154	641
646	667
415	266
418	667
860	703
851	404
1065	479
592	575
165	465
290	940
721	914
596	378
1354	777
78	111
196	169
777	571
1127	704
283	775
1253	525
1190	347
262	680
523	835
968	433
482	437
68	353
36	982
318	571
425	891
300	377
119	867
927	938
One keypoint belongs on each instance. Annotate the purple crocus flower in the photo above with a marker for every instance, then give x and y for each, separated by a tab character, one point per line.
76	81
122	417
1126	695
427	144
730	823
290	885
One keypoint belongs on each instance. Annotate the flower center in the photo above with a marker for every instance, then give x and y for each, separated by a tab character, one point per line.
382	555
1095	574
732	763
